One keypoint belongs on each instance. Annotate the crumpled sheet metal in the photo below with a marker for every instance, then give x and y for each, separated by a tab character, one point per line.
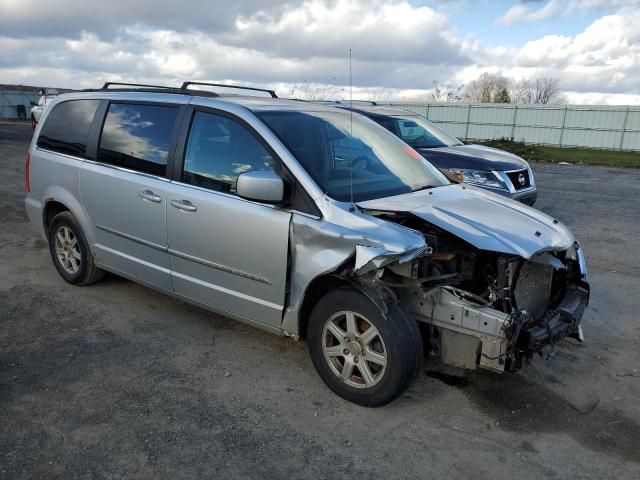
548	259
319	247
373	258
484	219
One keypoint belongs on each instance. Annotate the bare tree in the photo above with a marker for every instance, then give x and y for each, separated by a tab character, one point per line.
547	90
485	88
521	91
313	91
445	92
493	88
378	94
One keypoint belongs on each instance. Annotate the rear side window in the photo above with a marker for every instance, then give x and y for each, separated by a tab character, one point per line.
66	128
138	137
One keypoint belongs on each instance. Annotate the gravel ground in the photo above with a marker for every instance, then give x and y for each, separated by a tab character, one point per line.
118	381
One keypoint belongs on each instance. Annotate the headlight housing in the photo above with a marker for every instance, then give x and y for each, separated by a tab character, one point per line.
481	178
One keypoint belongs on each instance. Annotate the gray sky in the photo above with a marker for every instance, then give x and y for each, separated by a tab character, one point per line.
399	47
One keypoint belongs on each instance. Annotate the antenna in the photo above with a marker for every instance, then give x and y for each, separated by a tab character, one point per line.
352	207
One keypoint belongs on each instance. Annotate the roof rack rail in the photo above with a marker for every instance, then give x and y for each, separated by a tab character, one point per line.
185	86
145	88
142	85
368	102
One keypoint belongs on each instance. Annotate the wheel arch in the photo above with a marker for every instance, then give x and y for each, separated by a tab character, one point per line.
317	289
58	200
380	296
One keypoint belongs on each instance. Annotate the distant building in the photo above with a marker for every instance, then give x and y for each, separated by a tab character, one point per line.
15	100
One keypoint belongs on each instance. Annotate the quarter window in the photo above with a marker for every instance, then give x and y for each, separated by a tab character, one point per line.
138	137
66	128
218	150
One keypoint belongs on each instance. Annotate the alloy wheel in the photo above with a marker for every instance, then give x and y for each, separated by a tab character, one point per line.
67	250
354	349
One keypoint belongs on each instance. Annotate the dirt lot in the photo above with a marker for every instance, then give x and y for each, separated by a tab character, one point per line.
118	381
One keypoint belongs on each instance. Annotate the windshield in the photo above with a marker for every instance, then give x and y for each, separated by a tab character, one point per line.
418	132
372	161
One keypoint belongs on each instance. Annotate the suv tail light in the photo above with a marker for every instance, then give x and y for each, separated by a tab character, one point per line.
27	168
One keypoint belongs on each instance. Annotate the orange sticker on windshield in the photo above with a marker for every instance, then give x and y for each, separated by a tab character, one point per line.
412	152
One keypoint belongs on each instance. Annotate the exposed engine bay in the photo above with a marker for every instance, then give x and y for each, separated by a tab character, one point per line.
481	308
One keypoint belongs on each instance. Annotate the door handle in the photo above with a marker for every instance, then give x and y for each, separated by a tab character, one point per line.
149	195
185	205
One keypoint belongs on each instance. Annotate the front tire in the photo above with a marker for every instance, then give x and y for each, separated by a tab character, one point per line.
364	355
70	251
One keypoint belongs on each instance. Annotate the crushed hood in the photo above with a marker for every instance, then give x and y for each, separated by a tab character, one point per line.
486	220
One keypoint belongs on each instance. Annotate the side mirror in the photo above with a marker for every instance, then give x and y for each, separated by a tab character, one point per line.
261	186
32	103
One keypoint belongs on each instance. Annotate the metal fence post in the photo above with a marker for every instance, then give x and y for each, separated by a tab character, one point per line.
624	128
564	118
428	105
513	128
466	132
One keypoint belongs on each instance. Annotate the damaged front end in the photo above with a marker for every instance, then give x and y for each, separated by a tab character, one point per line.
489	294
492	282
487	309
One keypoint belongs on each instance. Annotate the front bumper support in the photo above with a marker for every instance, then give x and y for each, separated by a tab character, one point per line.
560	323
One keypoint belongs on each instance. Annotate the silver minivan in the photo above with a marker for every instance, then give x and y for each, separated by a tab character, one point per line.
304	220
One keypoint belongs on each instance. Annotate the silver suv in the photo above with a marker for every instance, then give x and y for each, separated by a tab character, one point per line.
304	220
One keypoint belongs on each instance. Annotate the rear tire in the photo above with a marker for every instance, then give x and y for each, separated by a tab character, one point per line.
70	251
379	355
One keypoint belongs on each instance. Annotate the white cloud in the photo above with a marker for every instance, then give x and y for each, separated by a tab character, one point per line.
398	48
522	11
513	15
549	9
599	65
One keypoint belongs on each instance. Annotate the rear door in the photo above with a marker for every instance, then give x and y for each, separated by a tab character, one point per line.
226	252
124	190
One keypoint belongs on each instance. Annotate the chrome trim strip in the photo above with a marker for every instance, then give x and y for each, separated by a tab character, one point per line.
101	164
66	155
132	238
132	259
234	293
217	266
125	170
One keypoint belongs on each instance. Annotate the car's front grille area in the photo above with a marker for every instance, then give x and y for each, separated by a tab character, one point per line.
520	179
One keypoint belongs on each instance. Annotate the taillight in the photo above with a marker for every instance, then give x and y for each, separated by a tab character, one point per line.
27	176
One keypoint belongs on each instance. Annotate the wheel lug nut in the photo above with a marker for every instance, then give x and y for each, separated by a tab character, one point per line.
355	360
345	351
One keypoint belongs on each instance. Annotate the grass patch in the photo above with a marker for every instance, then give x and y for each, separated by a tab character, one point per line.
586	156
